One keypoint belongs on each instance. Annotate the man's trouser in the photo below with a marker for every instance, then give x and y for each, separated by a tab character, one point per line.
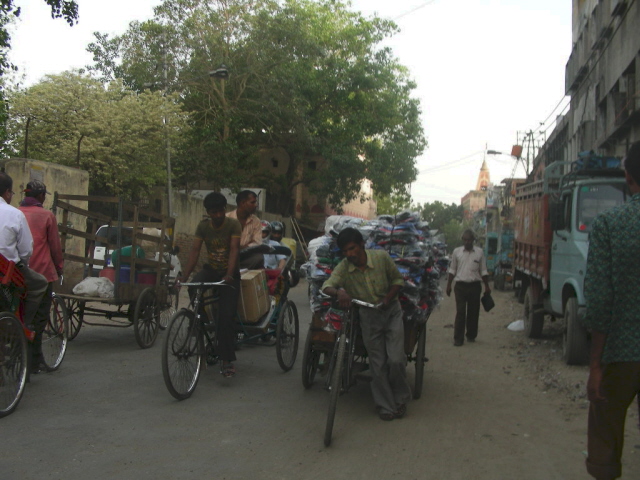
36	306
620	384
227	308
467	310
383	337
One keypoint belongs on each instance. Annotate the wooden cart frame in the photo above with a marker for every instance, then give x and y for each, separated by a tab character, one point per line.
146	307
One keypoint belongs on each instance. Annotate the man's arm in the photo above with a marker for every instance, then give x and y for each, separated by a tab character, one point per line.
194	254
24	240
484	273
53	237
449	282
333	287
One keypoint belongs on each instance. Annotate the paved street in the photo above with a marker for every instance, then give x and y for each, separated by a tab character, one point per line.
106	414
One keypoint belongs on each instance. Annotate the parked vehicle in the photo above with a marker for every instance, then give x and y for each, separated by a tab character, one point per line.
552	223
101	251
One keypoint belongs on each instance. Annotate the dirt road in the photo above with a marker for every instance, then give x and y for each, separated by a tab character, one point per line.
501	408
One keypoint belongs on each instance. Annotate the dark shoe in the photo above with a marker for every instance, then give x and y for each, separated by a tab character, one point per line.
457	344
469	339
401	411
228	370
387	417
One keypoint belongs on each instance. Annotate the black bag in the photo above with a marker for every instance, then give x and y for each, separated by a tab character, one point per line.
487	302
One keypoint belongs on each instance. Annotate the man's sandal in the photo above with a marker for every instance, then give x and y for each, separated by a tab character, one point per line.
387	417
401	411
228	370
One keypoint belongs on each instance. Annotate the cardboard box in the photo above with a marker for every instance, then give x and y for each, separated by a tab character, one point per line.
253	301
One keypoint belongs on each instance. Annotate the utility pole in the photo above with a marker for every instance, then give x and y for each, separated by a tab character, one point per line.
167	138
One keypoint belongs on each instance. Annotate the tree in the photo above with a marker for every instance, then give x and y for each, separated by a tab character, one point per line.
391	204
452	231
306	77
114	133
439	214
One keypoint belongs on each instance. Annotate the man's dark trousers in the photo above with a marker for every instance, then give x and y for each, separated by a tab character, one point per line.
467	310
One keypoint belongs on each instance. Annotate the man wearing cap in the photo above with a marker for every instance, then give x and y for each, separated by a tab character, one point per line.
16	244
47	257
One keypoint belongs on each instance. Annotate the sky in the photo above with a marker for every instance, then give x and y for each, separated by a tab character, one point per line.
485	70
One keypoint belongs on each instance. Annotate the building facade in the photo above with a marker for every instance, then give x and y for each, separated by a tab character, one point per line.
602	79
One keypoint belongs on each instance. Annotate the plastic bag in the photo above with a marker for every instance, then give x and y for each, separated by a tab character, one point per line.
95	287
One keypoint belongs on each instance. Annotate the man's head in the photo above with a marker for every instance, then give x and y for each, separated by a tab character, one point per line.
36	189
214	204
6	184
632	168
468	237
351	243
277	231
247	202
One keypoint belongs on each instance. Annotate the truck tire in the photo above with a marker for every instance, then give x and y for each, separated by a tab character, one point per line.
575	344
533	316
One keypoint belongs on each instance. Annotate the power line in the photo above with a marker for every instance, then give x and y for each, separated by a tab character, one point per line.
428	2
452	164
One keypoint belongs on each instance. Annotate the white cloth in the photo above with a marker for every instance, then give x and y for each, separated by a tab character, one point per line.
16	242
468	266
271	260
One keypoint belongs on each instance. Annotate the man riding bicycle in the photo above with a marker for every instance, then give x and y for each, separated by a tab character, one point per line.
221	235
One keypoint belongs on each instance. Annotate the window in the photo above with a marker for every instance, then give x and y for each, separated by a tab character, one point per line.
595	199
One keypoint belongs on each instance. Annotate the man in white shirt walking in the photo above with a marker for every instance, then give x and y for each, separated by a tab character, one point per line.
469	269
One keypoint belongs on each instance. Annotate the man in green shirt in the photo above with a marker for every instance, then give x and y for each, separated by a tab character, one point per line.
371	276
612	290
221	236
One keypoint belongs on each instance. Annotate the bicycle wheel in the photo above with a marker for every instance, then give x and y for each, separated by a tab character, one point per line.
310	361
13	362
169	307
146	318
422	340
75	309
287	336
182	360
336	384
55	335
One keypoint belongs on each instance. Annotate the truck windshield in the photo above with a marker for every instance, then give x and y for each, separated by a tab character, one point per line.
595	199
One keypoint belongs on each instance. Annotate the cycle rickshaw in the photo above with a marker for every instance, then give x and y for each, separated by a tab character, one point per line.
144	295
190	340
16	338
334	349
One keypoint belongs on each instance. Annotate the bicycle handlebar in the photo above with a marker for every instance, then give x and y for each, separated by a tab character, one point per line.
355	301
205	284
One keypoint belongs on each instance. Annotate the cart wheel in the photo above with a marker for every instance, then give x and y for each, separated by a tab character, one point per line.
75	310
310	361
13	362
169	308
145	320
55	335
287	336
336	384
420	360
181	358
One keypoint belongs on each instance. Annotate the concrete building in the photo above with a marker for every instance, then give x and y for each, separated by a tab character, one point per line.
602	79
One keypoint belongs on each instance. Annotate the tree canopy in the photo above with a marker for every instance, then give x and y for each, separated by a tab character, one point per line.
116	134
439	214
309	78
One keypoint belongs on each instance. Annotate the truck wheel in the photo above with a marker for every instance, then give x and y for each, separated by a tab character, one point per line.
533	316
575	345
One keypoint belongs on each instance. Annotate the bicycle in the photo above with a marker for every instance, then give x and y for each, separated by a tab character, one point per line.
191	337
344	357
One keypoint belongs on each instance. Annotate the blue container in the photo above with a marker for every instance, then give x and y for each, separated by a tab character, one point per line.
125	273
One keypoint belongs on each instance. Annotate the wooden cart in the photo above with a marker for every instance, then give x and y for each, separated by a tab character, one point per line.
141	304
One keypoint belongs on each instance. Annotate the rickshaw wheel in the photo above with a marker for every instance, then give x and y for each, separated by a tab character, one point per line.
146	318
420	352
287	336
75	310
310	361
13	362
182	362
55	335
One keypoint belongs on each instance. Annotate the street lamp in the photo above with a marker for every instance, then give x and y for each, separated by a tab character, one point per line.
222	72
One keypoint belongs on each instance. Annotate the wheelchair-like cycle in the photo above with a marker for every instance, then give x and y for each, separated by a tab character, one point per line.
16	339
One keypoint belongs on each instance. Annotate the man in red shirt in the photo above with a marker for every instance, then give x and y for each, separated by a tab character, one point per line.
47	258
